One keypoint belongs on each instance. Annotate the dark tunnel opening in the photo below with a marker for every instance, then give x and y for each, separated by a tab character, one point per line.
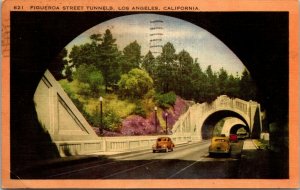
236	128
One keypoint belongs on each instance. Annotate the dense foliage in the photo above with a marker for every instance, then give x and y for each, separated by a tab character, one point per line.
110	120
165	100
135	84
90	78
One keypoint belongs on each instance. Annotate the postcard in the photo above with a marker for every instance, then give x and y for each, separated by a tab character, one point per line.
159	94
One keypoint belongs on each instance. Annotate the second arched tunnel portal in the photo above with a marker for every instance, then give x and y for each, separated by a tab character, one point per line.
214	124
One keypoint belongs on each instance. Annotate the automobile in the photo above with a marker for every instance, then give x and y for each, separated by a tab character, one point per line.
233	138
220	145
163	144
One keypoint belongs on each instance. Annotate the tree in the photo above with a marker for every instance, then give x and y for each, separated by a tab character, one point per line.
168	55
91	79
211	87
96	38
132	57
59	64
233	86
185	68
149	63
108	59
248	89
103	53
166	68
223	81
197	81
135	84
83	54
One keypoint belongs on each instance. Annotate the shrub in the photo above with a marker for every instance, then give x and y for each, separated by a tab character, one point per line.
139	110
135	84
110	120
165	100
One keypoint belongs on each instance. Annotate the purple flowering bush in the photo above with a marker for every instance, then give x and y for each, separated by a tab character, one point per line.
137	125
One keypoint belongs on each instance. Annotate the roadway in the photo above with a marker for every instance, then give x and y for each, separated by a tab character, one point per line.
190	161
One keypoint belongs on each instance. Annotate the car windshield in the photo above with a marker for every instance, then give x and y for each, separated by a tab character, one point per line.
219	140
162	139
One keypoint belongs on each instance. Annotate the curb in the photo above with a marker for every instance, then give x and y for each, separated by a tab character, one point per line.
257	147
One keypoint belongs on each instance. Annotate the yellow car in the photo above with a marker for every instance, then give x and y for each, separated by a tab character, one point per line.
219	145
163	143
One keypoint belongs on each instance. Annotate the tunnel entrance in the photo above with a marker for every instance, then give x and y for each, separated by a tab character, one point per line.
236	129
213	124
241	131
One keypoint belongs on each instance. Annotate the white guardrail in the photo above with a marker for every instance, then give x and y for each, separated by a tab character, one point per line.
114	144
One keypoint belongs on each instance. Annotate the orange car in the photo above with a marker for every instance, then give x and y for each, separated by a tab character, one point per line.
219	145
163	143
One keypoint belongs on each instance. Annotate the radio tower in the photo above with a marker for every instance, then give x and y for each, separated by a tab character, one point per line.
156	37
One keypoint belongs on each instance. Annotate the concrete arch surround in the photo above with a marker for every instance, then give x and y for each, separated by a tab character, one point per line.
214	119
230	123
247	110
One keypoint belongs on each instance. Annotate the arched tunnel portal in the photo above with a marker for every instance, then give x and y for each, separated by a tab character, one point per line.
242	131
216	120
236	128
233	125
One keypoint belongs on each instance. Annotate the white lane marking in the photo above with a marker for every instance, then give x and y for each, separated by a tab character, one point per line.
123	171
82	169
185	168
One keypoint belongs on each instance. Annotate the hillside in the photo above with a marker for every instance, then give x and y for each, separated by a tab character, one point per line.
125	117
137	125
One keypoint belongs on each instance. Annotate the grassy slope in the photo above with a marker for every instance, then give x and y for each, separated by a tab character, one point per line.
110	101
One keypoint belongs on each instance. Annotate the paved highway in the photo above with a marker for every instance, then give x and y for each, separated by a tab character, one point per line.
189	161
